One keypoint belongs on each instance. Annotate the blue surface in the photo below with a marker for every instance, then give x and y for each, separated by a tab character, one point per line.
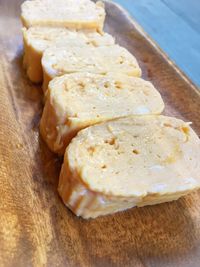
175	26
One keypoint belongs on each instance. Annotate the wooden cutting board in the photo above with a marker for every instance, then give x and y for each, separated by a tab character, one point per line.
35	227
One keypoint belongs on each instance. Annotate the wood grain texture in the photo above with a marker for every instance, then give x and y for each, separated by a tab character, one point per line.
35	227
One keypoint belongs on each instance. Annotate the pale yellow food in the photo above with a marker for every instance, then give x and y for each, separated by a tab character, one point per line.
77	14
38	39
101	60
129	162
75	101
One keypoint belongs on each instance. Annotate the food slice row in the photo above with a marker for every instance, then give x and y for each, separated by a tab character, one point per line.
128	155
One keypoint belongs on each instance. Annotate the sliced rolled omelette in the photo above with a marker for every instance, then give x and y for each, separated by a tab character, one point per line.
129	162
38	39
78	100
77	14
57	61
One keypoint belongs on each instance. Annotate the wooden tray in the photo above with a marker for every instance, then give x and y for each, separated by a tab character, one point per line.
35	227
